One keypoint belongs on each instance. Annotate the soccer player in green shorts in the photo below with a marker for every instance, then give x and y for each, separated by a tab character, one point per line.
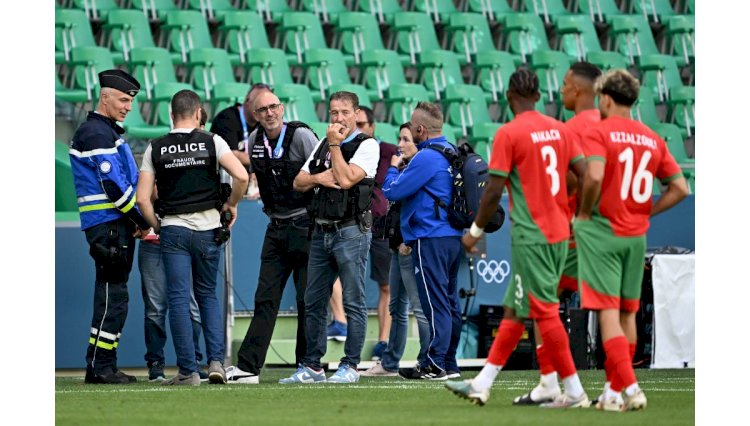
531	155
577	95
623	158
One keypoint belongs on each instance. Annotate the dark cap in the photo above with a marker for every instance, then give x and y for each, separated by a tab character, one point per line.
119	80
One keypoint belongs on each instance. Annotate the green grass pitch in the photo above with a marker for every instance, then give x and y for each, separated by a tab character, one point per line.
372	401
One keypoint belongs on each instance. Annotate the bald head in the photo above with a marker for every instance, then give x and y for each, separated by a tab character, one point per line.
269	112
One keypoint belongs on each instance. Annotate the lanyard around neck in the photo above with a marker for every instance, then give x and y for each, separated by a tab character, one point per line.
279	150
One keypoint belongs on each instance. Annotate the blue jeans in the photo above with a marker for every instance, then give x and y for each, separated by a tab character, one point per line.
341	253
191	260
404	293
154	290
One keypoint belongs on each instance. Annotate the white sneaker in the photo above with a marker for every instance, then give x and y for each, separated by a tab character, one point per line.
237	376
635	402
465	390
377	370
614	403
541	394
567	401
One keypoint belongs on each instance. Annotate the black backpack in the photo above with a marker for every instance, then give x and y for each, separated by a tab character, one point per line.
470	176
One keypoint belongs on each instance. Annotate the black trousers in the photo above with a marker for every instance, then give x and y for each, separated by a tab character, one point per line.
112	246
285	248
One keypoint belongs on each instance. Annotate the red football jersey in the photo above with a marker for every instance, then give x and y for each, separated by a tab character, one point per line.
533	151
633	155
578	124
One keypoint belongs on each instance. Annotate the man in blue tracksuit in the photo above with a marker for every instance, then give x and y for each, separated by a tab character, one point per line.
436	245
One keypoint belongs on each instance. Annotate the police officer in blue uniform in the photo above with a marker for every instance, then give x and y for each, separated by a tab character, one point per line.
105	176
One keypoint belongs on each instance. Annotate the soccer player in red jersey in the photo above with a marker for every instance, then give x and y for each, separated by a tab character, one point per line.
623	156
577	93
531	155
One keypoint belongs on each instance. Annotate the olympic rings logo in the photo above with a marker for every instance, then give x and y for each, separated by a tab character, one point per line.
493	271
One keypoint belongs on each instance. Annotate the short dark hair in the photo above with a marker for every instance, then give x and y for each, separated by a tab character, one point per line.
432	110
368	113
586	70
204	117
524	82
185	103
406	125
620	85
345	96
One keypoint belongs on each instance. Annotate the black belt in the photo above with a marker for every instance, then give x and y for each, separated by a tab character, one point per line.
335	226
288	220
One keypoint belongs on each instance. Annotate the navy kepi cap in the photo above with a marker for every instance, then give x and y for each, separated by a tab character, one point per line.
119	80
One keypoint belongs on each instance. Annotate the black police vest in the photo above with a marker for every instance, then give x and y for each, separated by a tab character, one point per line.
187	174
340	204
276	175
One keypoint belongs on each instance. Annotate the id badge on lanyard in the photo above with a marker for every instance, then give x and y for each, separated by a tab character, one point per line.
277	152
245	133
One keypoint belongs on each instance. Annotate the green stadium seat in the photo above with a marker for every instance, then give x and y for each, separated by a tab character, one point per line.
548	10
212	10
324	68
550	66
86	64
657	11
523	34
319	128
355	33
438	70
155	10
631	35
137	128
607	60
150	66
163	93
672	135
482	136
298	102
680	39
383	10
126	30
327	11
682	109
75	96
386	132
241	31
690	7
494	11
576	36
270	10
185	30
381	69
469	34
96	10
65	192
492	73
465	107
267	66
644	109
207	67
439	11
72	29
453	133
361	91
600	11
660	74
402	99
413	33
299	32
224	95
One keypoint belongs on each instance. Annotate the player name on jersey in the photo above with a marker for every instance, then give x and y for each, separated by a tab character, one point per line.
545	136
182	148
632	138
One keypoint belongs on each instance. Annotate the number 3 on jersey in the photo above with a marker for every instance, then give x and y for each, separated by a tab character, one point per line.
640	184
549	156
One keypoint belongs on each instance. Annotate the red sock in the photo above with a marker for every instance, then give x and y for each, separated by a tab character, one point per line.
557	345
505	342
632	351
545	363
618	350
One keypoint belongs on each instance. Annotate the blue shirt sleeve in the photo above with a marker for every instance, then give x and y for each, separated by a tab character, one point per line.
417	173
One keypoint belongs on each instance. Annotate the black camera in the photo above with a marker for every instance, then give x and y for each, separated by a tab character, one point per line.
223	233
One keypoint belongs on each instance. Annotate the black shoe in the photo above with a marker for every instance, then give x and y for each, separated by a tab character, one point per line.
109	378
156	372
430	372
453	374
203	375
